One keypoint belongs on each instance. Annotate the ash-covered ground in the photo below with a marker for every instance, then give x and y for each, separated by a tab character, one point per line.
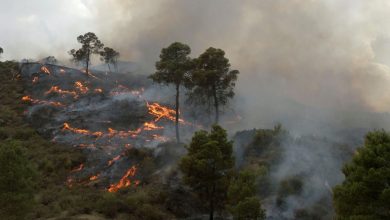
105	114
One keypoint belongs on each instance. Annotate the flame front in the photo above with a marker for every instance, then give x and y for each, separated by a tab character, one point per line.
124	181
79	86
35	79
36	101
45	70
56	89
161	111
81	131
95	177
79	168
110	162
149	126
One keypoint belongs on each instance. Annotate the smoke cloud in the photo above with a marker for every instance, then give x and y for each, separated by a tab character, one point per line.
299	60
302	62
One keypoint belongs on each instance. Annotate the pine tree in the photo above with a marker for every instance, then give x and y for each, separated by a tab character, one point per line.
213	80
173	68
365	192
90	44
208	167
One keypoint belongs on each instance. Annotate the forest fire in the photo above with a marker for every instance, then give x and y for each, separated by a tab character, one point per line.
36	101
94	177
149	126
123	134
161	112
110	162
79	86
81	131
45	70
35	79
95	134
98	90
124	181
77	169
56	89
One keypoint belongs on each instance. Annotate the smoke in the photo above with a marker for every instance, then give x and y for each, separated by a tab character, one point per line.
299	60
309	168
315	66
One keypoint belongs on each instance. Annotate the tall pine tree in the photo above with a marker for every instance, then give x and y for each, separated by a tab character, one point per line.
208	167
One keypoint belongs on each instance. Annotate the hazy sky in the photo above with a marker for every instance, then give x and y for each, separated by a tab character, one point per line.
332	54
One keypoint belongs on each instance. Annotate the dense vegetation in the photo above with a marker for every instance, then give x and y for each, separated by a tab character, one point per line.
365	193
208	170
212	176
34	171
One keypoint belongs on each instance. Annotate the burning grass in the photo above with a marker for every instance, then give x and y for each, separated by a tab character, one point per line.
105	138
122	185
125	180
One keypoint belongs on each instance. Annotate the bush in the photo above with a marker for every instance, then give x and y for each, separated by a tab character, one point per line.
16	181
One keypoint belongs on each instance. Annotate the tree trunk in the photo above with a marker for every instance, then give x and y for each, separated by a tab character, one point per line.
211	214
212	203
177	113
109	69
216	105
86	71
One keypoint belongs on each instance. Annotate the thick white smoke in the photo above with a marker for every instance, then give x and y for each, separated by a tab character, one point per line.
301	62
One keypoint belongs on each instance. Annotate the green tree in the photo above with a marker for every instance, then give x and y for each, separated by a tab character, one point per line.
243	202
208	167
16	195
365	192
173	68
90	44
212	79
1	50
109	56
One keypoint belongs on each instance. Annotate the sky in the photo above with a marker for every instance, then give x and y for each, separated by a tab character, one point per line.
296	58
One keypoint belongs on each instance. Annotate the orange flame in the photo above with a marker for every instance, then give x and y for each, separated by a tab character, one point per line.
45	70
95	177
56	89
110	162
124	181
82	131
78	168
122	134
160	112
69	182
148	126
83	89
35	79
36	101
